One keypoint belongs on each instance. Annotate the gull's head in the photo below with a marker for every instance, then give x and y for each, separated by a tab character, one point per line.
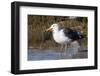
53	27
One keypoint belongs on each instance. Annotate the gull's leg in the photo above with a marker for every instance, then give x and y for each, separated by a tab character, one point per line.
69	45
65	53
66	45
61	47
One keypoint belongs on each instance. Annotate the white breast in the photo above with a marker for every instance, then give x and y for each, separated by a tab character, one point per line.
59	37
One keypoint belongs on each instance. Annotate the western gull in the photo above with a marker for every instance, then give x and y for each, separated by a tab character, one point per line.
64	36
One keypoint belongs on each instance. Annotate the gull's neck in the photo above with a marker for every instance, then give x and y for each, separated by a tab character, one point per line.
55	29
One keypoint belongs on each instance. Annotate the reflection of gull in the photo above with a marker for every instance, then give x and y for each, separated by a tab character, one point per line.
64	36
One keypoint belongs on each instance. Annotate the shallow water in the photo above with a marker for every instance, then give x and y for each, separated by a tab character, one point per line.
51	54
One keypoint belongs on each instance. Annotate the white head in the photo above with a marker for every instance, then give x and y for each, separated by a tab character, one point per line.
53	27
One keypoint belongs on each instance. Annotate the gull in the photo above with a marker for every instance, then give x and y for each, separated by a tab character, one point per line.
64	36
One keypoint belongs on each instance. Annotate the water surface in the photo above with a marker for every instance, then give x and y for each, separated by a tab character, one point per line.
55	54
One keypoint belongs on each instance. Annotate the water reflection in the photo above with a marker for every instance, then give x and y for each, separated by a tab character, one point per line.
55	54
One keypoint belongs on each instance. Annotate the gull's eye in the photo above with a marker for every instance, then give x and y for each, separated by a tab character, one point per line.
52	26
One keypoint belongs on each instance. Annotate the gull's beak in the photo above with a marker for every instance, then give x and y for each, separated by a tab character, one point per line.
48	29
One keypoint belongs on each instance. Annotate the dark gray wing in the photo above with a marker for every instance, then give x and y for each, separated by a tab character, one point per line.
72	34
